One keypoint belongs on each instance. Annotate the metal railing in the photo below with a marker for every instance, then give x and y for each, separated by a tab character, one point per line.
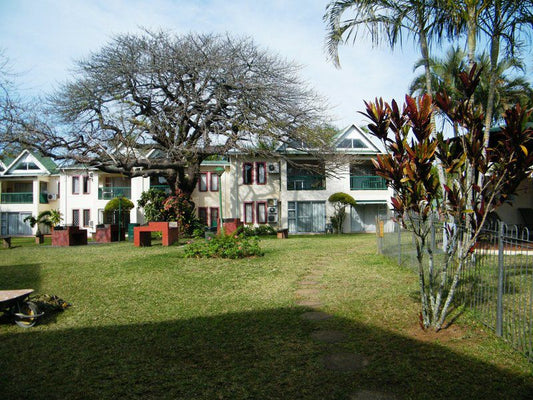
108	193
496	283
163	188
306	182
17	198
358	182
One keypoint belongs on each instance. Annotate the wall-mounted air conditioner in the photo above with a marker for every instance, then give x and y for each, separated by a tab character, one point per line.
273	167
272	210
273	218
272	202
52	196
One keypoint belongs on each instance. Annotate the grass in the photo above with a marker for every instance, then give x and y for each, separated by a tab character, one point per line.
146	323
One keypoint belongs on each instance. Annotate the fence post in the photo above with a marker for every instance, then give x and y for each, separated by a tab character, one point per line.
399	243
433	235
499	303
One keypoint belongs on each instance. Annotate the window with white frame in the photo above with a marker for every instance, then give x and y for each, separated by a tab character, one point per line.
249	213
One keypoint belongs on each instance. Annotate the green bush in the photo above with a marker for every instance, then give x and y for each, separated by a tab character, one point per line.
261	230
224	246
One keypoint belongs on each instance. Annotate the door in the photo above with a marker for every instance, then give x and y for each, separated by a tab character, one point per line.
13	224
307	216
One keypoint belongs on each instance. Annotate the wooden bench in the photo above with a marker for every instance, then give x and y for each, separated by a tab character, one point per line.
142	235
6	242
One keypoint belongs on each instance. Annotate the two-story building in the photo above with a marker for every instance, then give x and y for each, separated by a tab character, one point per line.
290	192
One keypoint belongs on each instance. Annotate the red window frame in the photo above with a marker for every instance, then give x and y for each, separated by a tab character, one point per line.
85	180
86	222
245	214
76	178
206	182
261	209
213	217
217	182
206	220
262	165
246	181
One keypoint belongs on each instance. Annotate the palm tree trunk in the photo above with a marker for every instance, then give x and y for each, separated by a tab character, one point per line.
489	110
471	26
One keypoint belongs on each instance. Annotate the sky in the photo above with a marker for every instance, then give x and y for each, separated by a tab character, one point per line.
43	38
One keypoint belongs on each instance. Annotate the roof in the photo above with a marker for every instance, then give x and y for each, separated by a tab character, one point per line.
45	165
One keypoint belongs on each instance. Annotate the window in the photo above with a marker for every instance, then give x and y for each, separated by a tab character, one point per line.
58	189
214	182
75	185
260	173
249	213
76	217
86	217
100	215
261	212
202	215
86	184
247	173
27	166
203	182
214	216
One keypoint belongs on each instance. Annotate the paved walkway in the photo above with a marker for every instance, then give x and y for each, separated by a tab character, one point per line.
308	296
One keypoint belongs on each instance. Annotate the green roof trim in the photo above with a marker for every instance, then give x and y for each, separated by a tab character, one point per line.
47	162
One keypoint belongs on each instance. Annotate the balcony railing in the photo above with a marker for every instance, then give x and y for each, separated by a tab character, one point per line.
17	198
43	198
367	183
164	188
306	182
108	193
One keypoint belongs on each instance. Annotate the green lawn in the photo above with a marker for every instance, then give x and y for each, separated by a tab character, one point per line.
146	323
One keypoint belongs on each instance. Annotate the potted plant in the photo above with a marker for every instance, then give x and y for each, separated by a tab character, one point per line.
43	218
55	218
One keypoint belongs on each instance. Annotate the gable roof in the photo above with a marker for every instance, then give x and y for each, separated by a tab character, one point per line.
45	165
354	140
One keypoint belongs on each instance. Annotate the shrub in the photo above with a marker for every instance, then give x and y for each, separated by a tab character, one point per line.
261	230
224	246
340	201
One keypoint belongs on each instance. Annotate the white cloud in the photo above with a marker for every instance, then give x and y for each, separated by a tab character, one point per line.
43	38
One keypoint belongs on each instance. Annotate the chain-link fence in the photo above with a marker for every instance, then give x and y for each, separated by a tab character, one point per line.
496	283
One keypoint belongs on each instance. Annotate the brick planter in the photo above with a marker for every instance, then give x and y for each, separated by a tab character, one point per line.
108	233
142	235
70	236
230	225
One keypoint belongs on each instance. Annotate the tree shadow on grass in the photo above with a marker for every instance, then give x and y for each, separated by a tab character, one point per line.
20	276
266	354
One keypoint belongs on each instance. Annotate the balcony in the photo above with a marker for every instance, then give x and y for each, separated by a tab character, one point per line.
163	188
43	198
306	182
108	193
367	183
17	198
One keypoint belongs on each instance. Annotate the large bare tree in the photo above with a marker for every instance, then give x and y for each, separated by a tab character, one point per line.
184	98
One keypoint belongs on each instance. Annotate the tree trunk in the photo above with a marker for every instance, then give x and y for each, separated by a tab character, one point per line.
471	26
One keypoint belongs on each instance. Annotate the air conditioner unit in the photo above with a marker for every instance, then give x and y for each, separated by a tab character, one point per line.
91	174
273	168
272	210
273	218
52	196
272	202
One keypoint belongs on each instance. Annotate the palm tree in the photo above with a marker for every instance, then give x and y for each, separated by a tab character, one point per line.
386	20
508	90
444	76
503	22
